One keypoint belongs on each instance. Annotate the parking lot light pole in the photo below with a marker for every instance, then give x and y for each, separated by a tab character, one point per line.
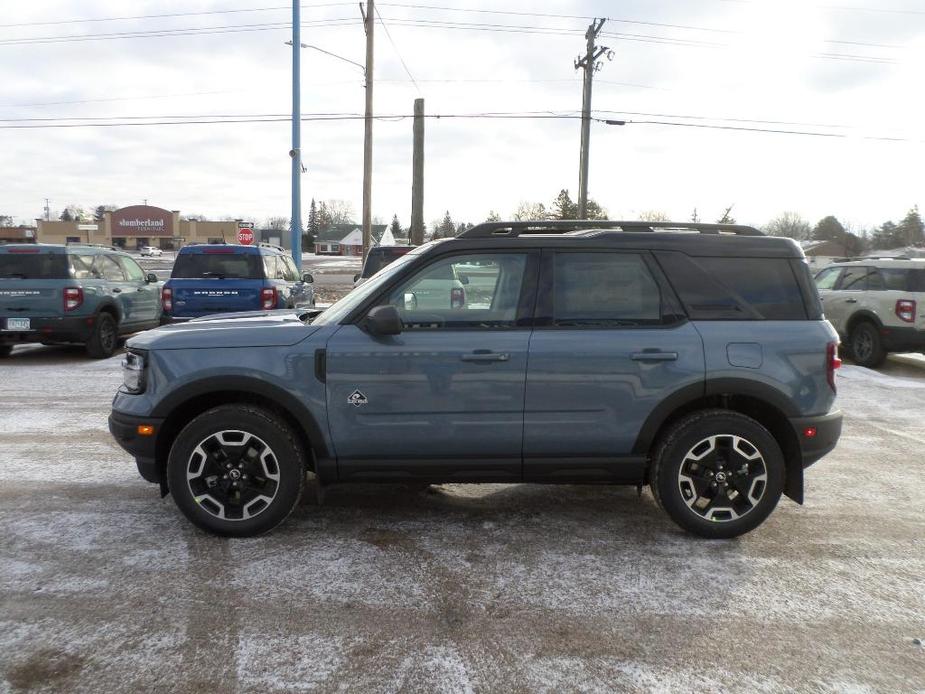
295	153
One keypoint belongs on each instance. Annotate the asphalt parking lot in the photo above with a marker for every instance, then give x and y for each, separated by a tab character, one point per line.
104	586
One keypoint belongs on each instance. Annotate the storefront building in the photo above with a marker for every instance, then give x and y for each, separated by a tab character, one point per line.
136	226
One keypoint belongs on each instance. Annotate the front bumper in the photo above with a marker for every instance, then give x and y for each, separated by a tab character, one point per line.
124	429
827	430
54	329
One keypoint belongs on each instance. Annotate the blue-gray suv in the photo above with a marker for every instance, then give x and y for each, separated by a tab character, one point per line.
691	358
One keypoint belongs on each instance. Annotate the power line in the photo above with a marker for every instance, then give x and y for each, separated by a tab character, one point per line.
397	52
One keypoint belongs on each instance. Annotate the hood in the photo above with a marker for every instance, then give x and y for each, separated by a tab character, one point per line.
246	329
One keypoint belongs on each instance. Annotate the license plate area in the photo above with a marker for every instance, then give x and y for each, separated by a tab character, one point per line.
18	324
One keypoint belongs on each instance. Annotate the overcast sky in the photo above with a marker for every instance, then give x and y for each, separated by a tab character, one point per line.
827	67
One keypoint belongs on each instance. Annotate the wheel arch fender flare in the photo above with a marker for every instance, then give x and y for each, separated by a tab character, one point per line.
863	315
243	386
109	306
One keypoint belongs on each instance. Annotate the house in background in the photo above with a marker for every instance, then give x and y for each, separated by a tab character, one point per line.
330	241
819	254
18	234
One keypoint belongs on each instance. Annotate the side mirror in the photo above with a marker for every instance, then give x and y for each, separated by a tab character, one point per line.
383	320
307	278
150	278
356	278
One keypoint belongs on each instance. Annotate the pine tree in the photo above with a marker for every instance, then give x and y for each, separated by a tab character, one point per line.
829	229
324	217
395	227
727	217
694	217
911	229
311	229
447	228
563	206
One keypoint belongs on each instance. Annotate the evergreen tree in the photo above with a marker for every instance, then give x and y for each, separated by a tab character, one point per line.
324	217
595	211
887	236
563	207
694	217
829	229
447	227
727	217
311	229
911	229
395	227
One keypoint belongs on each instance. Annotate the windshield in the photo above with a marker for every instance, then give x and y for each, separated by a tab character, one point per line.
382	256
342	308
33	266
221	265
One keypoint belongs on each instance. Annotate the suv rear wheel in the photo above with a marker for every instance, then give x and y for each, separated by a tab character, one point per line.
718	474
866	347
5	350
104	338
236	470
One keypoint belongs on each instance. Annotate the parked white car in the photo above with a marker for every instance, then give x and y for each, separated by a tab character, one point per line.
151	251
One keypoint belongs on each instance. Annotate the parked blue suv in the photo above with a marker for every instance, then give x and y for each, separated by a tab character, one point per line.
226	278
693	358
73	294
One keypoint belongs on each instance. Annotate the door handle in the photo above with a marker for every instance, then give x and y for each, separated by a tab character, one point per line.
116	290
140	289
655	356
480	357
851	301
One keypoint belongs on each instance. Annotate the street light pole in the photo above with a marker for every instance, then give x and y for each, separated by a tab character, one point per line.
295	222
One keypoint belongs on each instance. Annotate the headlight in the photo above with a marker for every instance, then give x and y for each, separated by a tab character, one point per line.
133	372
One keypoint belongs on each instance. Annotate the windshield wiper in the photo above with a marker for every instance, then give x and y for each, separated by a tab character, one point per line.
13	275
218	275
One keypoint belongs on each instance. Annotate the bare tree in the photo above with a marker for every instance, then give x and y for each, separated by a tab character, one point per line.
790	225
653	216
277	223
341	212
530	211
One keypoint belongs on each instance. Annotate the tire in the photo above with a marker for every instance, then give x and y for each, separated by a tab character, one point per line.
723	448
105	337
5	351
243	443
865	345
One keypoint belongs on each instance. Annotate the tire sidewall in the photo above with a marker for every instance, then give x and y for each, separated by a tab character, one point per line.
260	423
686	437
877	355
95	347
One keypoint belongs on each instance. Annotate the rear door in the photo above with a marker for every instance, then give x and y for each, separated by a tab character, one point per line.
841	303
826	281
145	295
609	345
116	284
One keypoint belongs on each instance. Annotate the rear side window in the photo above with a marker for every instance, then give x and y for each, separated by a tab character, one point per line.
218	265
108	269
916	281
735	288
604	289
890	280
854	279
287	265
33	266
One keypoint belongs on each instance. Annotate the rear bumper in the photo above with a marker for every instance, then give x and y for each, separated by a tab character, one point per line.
55	329
827	430
124	429
902	339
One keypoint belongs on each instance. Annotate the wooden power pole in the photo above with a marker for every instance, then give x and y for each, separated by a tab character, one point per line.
369	21
589	64
417	176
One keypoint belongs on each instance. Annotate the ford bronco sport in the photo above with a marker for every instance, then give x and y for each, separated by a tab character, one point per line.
693	358
84	294
877	305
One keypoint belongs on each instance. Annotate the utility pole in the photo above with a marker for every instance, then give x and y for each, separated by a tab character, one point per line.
417	176
369	21
47	210
590	65
295	223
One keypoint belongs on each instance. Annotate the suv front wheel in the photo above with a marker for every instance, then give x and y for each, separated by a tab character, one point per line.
236	470
718	473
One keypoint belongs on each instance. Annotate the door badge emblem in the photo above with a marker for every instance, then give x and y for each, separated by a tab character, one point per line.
356	398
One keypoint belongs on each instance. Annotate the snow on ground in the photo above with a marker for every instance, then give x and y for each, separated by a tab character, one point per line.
457	588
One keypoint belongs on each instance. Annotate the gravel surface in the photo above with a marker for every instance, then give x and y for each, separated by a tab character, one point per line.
457	588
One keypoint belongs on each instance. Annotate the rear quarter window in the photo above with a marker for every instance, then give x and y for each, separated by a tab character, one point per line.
735	288
221	265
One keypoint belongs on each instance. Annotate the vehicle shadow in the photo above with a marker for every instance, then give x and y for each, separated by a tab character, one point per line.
37	354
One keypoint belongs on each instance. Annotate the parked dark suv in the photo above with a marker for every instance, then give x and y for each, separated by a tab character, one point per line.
693	358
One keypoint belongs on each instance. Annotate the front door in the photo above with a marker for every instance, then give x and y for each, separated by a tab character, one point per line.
145	296
608	347
444	399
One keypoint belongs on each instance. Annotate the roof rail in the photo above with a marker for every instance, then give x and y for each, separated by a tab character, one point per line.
511	229
873	257
80	244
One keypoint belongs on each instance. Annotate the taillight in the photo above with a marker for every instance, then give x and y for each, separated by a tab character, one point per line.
905	310
457	297
268	298
167	299
73	298
832	362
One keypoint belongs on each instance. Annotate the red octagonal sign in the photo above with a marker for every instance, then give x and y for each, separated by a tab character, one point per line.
245	236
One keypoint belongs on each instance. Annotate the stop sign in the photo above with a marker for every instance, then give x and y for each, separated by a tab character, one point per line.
245	236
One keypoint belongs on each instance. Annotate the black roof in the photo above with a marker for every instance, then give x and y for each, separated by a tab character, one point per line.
695	239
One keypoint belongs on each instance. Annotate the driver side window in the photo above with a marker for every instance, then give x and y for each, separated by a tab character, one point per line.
479	290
